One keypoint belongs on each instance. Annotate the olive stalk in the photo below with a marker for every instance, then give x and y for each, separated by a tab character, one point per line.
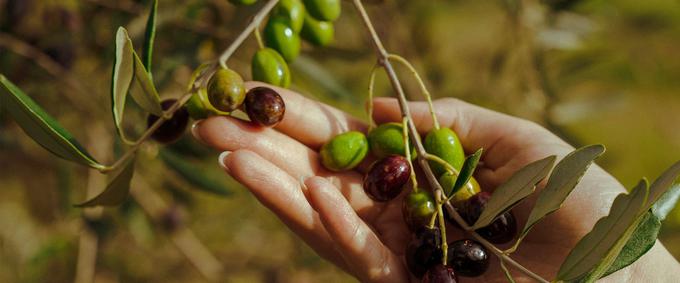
200	81
421	83
407	152
383	60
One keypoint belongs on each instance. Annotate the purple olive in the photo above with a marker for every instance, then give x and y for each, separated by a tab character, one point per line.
440	274
172	129
468	257
264	106
387	177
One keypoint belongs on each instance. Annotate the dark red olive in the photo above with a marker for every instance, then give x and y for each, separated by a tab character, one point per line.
171	219
440	274
386	178
424	251
172	129
264	106
500	231
468	258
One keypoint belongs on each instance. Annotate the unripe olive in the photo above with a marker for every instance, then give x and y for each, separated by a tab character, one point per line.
344	151
292	11
199	106
387	139
264	106
282	38
268	66
448	180
171	129
387	177
323	10
444	143
319	33
417	209
243	2
226	90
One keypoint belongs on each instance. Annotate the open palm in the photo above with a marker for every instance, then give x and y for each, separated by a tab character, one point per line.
331	212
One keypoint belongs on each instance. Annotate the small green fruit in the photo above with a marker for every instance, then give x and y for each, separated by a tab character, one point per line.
444	143
387	139
317	32
226	91
448	180
417	209
268	66
323	10
243	2
291	10
344	151
199	106
282	38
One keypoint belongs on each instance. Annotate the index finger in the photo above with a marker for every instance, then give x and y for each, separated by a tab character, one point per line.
308	121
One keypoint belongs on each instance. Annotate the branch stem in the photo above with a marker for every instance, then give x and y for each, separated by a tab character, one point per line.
254	23
383	60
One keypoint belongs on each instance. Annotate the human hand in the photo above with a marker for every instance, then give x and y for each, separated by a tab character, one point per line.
332	214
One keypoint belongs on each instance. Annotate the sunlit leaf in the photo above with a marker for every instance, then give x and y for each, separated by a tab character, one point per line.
466	171
189	172
123	71
662	184
149	37
596	251
562	181
42	127
640	242
519	186
666	202
148	98
117	189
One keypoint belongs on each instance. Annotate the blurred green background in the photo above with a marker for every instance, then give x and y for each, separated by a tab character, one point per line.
592	71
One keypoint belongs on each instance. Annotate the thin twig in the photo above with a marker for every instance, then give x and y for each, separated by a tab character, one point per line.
383	59
255	22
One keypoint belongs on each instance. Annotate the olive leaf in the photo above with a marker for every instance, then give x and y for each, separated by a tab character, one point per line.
149	37
466	171
126	66
646	233
640	242
42	127
595	252
519	186
662	184
199	178
564	178
117	189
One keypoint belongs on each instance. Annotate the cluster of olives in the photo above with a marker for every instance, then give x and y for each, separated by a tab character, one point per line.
389	176
289	21
225	93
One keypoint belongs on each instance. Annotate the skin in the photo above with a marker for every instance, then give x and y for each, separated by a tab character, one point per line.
333	215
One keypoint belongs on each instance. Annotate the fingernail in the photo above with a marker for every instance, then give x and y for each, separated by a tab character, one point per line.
221	160
194	130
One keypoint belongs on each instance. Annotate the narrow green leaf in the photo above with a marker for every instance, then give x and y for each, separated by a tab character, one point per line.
519	186
42	127
564	178
199	178
117	189
662	184
666	202
123	71
148	98
595	252
149	37
466	171
640	242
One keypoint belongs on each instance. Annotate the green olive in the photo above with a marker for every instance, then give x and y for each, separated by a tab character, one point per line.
417	209
243	2
199	106
444	143
387	139
323	10
448	180
269	67
344	151
317	32
226	91
291	10
282	38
